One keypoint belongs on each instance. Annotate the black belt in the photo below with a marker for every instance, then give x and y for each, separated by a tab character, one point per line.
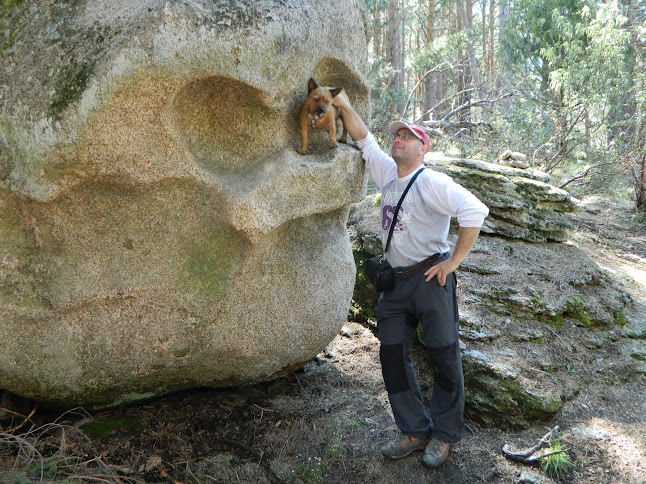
412	270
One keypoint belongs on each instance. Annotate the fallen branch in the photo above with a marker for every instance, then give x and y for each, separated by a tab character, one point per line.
169	478
583	174
528	456
26	418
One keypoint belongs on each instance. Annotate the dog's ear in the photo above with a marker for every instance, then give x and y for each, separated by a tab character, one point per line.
311	85
336	91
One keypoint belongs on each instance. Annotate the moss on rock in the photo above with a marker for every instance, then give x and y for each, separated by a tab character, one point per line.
71	87
496	398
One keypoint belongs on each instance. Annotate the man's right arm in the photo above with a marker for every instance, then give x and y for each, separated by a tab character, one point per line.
380	166
351	120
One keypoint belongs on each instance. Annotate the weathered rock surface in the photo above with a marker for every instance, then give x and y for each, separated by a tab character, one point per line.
159	231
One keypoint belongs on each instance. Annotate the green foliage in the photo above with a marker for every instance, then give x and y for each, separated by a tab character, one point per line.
48	468
528	29
313	470
333	451
639	220
555	321
577	68
524	120
638	354
387	99
557	464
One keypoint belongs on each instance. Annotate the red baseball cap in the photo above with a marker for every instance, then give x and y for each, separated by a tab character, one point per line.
418	132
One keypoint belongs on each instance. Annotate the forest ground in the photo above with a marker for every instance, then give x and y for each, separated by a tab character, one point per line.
326	422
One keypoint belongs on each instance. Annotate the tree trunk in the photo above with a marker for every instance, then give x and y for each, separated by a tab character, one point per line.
395	43
492	27
484	31
588	133
640	186
377	31
463	20
433	83
504	78
562	142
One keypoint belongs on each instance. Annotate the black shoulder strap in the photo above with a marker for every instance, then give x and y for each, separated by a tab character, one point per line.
399	204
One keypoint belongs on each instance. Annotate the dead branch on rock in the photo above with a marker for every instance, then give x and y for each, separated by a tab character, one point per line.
530	456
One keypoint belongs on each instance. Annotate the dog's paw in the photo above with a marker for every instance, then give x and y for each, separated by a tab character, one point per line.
301	152
343	139
332	144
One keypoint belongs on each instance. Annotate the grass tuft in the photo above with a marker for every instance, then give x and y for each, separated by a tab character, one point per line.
556	464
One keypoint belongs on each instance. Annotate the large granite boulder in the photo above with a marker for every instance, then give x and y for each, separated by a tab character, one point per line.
159	230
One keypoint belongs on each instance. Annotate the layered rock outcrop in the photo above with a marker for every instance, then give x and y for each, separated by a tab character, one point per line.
522	203
159	231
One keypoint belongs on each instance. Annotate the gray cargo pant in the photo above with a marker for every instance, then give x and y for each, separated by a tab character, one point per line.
399	310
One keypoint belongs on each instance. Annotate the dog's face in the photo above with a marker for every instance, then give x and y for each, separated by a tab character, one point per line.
319	99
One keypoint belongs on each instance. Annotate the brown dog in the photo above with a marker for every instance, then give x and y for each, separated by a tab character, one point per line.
318	112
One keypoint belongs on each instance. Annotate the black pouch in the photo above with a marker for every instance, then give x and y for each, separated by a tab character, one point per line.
380	273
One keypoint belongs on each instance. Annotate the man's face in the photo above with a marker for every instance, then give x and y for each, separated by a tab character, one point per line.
406	149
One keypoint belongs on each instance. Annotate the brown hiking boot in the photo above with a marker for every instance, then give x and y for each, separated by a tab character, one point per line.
435	453
399	450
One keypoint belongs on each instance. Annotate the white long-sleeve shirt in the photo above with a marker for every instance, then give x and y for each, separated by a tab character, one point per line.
424	218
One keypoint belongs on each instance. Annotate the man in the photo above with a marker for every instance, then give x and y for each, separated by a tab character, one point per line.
423	293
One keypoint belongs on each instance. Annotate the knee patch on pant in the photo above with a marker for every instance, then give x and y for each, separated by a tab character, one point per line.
446	369
393	368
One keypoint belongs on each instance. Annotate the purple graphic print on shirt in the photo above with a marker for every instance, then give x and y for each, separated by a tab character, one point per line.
387	217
